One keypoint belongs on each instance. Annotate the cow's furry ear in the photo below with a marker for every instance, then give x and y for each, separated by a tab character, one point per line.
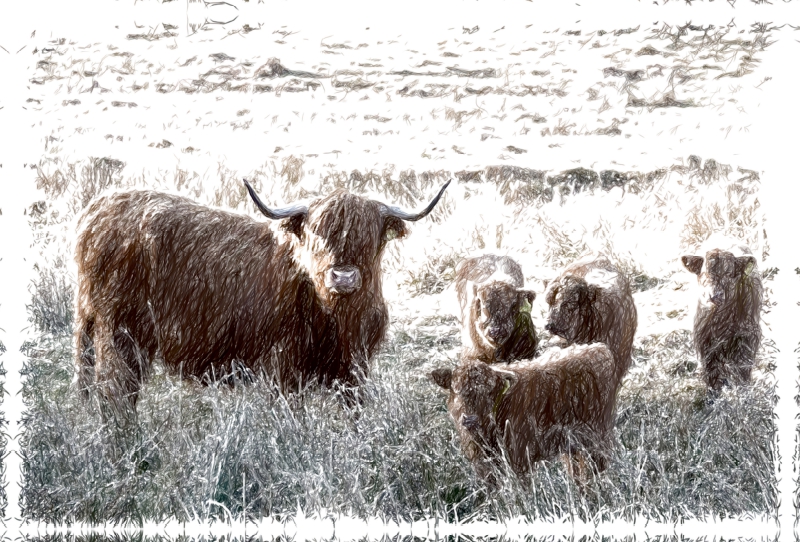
394	228
746	264
442	377
693	263
294	225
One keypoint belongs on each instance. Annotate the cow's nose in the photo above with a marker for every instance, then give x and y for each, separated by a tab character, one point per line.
343	279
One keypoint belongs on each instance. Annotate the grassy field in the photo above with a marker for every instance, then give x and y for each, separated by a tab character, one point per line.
396	456
510	122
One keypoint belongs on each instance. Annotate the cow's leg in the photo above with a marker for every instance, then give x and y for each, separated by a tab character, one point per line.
351	382
577	468
117	381
742	359
601	452
714	371
136	361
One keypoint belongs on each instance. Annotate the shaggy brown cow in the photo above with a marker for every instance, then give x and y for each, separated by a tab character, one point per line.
205	289
727	324
591	302
496	320
561	402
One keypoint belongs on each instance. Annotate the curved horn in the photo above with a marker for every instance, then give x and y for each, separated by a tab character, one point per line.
275	214
399	213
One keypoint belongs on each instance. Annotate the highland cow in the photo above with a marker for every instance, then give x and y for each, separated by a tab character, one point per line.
591	302
727	324
205	289
560	403
496	323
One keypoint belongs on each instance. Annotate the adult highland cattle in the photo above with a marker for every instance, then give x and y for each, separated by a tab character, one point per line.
727	324
205	289
591	302
496	324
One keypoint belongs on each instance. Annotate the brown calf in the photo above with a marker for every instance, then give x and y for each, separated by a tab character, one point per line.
561	402
591	302
727	324
495	311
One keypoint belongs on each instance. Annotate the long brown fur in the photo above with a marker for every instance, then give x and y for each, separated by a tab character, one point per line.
495	310
591	302
561	402
727	324
205	289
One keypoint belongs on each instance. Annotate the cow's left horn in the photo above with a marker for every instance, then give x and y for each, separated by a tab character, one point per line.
275	214
399	213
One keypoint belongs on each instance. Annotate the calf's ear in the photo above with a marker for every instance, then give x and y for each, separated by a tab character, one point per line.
745	264
693	263
526	298
442	377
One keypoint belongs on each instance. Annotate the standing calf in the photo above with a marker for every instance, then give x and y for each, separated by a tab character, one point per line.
727	324
561	402
591	302
496	320
205	289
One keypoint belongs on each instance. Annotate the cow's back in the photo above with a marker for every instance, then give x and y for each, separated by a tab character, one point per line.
201	280
616	316
109	251
563	395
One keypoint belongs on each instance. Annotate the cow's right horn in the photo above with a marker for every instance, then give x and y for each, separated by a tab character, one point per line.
275	214
399	213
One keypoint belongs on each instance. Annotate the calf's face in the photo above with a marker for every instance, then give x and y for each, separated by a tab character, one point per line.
495	309
570	300
476	390
718	274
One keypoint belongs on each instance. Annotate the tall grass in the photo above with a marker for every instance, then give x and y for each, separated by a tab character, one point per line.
200	450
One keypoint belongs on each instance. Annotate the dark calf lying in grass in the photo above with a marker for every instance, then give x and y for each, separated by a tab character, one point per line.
495	311
727	325
591	302
561	403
